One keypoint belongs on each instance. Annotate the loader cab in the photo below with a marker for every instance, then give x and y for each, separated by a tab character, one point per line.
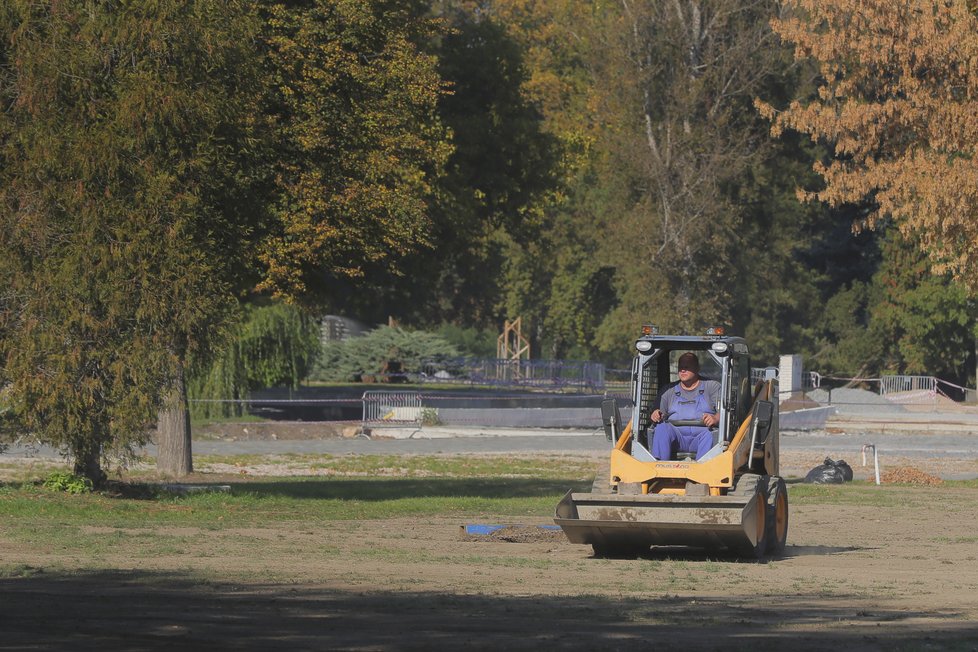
724	359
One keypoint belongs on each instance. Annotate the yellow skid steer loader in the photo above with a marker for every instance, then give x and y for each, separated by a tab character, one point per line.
728	498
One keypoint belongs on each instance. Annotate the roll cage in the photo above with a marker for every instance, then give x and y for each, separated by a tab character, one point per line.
652	374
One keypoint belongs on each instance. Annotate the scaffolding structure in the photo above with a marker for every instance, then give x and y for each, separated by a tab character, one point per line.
511	349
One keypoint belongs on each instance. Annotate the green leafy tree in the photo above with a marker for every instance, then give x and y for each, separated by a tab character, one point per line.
928	319
649	107
664	172
501	171
355	148
275	345
850	342
680	79
789	255
548	270
125	130
471	341
904	320
359	145
161	160
355	152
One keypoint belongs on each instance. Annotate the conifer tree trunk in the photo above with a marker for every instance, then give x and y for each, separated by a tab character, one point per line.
173	449
88	461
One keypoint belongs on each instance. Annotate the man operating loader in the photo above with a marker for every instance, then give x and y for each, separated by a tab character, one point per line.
692	399
731	497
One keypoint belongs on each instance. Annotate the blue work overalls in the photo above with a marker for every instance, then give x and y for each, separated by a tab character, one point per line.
667	438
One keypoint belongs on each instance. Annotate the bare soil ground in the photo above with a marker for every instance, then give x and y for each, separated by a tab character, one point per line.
898	573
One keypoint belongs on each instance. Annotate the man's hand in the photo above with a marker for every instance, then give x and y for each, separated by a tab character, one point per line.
710	420
656	416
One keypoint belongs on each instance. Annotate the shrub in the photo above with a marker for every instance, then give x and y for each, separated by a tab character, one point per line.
68	483
373	354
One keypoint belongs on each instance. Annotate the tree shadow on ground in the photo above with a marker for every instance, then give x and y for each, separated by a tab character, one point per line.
139	610
685	553
372	489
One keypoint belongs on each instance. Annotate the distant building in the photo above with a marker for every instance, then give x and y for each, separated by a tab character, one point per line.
334	328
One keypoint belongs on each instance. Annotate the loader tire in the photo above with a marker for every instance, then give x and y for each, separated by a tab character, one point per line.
777	515
602	478
754	487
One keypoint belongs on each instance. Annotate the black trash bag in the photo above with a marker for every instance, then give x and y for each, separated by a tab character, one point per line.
830	472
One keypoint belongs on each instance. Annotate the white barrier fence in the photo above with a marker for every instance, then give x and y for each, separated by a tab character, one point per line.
392	410
895	384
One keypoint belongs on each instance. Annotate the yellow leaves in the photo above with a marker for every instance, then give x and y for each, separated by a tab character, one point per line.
896	103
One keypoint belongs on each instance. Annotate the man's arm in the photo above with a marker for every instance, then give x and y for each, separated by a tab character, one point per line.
713	395
713	392
664	402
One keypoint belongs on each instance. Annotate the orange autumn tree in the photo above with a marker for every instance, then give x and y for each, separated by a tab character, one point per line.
897	105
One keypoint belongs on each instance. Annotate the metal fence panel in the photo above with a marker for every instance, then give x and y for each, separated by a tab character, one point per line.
894	384
394	409
513	411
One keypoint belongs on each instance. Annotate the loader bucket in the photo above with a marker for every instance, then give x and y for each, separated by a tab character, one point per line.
632	523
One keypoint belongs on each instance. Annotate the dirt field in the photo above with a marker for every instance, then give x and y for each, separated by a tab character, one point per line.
899	573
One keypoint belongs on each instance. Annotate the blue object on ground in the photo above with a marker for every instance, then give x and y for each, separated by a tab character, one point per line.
480	528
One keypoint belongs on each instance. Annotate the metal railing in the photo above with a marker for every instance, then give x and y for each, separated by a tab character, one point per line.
555	375
391	410
895	384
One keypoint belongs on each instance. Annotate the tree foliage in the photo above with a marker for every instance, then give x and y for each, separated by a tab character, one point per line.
124	131
896	103
672	206
161	160
926	320
470	342
274	345
358	143
561	280
680	78
589	166
500	171
851	344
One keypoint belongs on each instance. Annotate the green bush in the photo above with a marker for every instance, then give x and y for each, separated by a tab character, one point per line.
68	483
429	417
379	352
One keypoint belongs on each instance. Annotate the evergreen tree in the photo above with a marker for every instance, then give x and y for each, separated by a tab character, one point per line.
125	133
374	353
157	166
